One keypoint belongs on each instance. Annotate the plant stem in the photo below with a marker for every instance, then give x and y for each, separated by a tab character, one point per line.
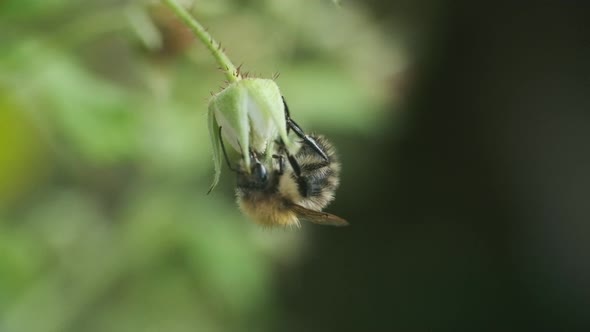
229	70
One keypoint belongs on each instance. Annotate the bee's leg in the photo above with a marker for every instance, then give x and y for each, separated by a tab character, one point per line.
225	153
291	124
292	161
281	163
294	165
287	114
307	140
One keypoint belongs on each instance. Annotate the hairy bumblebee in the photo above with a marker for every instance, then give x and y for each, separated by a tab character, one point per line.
281	189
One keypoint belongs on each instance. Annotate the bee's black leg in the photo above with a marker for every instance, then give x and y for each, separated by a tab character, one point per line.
294	165
287	114
292	161
281	163
308	140
225	153
291	124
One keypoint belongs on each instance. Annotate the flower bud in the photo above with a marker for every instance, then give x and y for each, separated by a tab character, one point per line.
251	115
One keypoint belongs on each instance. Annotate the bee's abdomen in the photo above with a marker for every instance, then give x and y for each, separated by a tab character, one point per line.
319	178
313	183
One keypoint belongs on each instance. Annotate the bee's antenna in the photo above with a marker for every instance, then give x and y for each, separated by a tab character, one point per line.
225	153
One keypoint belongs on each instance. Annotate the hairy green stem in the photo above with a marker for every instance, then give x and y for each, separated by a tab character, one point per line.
229	70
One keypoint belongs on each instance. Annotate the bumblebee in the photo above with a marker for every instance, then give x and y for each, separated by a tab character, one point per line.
286	188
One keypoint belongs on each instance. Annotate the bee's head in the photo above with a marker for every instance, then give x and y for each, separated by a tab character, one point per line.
258	172
257	177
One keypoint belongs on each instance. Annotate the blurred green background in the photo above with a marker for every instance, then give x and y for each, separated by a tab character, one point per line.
463	133
105	159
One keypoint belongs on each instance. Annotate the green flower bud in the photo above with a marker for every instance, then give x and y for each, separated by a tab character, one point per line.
251	115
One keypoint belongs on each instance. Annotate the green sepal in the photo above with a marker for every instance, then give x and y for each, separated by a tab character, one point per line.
230	109
267	97
216	144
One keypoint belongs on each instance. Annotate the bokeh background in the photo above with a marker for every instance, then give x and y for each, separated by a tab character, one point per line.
463	128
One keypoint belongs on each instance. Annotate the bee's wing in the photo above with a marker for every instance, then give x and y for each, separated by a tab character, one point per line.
322	218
